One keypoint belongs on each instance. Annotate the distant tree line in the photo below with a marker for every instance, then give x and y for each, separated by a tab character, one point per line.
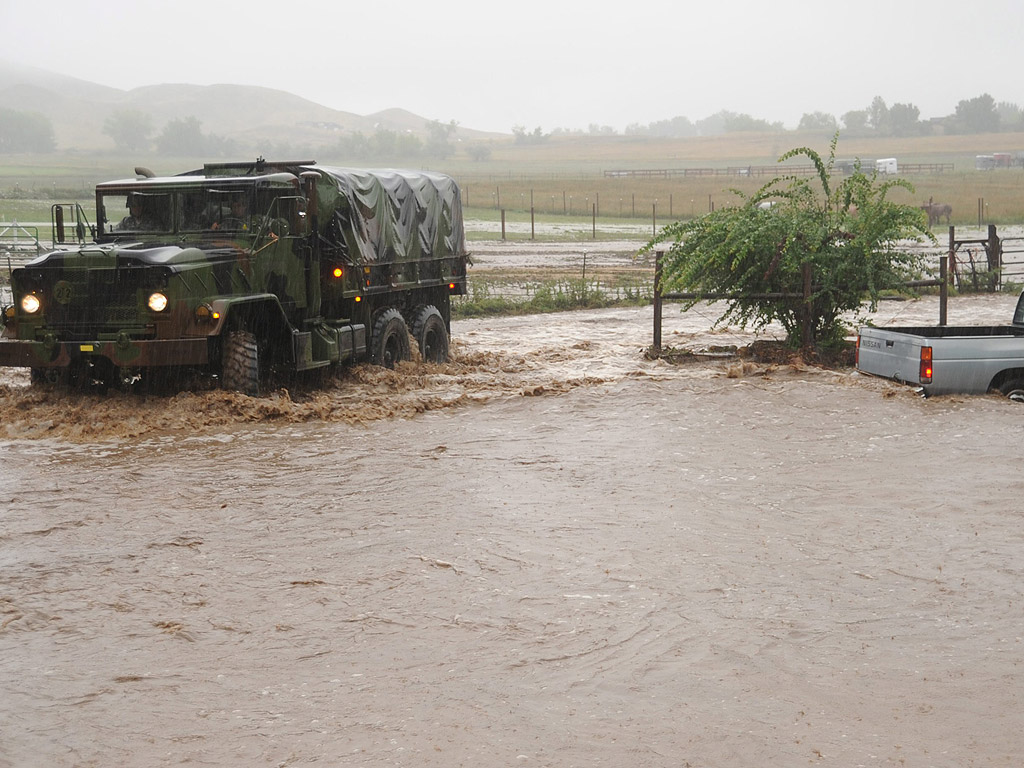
132	131
385	144
25	132
718	123
981	114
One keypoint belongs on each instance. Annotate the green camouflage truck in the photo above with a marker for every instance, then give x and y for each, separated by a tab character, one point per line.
239	270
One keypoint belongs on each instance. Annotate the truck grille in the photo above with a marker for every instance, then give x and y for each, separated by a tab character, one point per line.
81	304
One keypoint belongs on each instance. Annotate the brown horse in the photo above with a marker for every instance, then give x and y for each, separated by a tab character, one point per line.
937	211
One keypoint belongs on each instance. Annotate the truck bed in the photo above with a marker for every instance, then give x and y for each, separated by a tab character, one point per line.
944	359
948	331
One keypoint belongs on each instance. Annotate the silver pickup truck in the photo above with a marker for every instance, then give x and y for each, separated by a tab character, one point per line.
948	359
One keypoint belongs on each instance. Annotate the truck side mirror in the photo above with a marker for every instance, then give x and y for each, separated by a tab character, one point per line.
58	215
309	179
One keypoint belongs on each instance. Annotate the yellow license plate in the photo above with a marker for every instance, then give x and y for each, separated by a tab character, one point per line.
86	348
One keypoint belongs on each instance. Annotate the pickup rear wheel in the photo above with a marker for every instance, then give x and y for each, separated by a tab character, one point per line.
1013	389
390	342
431	335
240	363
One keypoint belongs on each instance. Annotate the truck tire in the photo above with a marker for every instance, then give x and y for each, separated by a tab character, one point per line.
47	377
390	342
1013	389
431	334
240	363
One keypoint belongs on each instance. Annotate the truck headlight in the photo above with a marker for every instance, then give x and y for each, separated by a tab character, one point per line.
157	302
30	303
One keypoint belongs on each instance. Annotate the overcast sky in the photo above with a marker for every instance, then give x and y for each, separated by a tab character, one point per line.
543	63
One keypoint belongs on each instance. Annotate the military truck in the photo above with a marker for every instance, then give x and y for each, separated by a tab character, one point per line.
240	270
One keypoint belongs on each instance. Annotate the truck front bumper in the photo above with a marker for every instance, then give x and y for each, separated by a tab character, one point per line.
133	353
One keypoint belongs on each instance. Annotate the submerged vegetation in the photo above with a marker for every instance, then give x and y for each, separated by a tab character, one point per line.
499	296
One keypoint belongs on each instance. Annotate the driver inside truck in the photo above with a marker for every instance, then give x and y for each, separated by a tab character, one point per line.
237	217
138	217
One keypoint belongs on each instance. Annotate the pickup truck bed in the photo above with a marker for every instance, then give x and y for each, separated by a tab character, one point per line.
946	359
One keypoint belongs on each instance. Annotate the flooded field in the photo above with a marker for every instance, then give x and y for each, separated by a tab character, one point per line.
551	551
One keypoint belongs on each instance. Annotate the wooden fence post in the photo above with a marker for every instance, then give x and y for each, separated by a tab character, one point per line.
943	288
992	249
952	254
657	301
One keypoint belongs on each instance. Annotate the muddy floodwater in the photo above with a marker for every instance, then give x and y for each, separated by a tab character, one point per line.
551	551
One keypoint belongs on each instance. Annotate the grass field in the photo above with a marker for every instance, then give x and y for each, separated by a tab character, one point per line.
563	177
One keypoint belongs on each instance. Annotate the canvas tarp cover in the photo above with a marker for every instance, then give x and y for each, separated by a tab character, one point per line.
378	217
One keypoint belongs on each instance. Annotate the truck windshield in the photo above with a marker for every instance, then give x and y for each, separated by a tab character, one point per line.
142	212
199	210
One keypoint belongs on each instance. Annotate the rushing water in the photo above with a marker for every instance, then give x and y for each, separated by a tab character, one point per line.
551	551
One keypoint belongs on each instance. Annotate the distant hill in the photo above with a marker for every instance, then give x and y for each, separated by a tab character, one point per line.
249	115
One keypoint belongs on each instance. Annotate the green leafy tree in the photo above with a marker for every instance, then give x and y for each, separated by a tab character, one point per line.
182	137
675	127
185	137
25	132
878	115
904	120
817	121
479	152
759	255
130	129
439	136
856	120
522	137
733	122
977	115
384	146
1011	117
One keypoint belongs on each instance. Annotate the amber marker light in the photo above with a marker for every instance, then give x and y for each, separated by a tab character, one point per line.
358	299
337	272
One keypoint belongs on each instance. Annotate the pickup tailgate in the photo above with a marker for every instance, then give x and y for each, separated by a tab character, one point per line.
890	354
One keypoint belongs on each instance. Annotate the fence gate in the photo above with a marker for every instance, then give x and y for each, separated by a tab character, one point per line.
1012	260
18	244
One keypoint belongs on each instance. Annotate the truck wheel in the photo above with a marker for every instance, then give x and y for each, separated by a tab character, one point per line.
47	377
1013	389
240	363
390	343
69	377
431	335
